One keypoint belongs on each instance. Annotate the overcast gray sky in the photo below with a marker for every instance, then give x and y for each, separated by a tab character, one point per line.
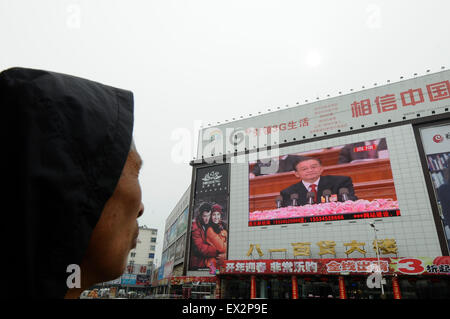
206	61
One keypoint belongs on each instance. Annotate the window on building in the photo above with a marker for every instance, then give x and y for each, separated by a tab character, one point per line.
151	255
153	240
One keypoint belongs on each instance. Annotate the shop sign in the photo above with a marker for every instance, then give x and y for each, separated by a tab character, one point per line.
385	247
388	103
422	265
188	279
137	269
407	266
409	98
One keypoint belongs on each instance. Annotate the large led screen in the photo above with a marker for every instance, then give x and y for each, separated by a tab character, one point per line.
352	181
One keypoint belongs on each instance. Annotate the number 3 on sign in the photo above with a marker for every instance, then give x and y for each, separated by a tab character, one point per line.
410	266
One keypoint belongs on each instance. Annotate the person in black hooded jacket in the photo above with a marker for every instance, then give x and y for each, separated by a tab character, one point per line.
74	182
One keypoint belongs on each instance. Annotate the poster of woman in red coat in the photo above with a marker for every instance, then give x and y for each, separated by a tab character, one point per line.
209	232
217	236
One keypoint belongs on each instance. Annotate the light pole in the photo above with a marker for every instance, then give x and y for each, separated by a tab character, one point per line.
372	224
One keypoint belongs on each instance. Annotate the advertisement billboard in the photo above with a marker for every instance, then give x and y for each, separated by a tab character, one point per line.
142	280
182	222
128	279
163	263
177	228
351	181
209	224
137	269
396	102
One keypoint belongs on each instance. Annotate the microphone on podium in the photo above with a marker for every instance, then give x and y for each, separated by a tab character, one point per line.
294	198
327	193
279	199
310	197
343	192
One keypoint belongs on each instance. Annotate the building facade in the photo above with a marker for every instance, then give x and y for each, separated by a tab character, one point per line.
376	225
144	253
172	259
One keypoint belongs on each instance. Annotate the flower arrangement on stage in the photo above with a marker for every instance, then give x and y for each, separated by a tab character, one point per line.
326	209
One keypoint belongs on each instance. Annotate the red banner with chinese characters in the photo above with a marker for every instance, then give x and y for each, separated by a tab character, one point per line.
304	266
294	287
342	292
409	98
396	288
406	266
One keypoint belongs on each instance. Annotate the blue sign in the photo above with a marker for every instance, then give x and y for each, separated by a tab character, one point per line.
128	279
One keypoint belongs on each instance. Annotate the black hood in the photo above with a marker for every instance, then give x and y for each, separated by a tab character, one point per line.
69	139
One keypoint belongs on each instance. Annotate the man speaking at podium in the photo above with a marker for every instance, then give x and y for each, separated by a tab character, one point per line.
313	187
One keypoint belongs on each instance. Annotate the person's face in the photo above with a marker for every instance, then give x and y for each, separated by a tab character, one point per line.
215	217
117	229
308	171
205	217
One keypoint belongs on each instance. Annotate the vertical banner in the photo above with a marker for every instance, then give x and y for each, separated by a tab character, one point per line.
252	287
436	144
294	287
209	224
342	292
396	288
